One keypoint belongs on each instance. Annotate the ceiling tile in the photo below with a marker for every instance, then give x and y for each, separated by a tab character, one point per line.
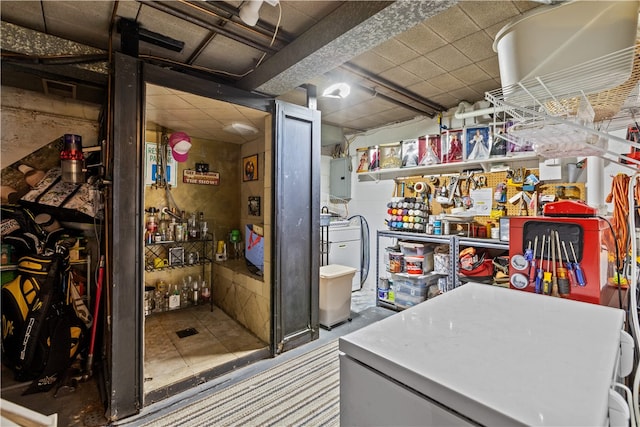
89	24
396	52
449	58
421	38
425	89
298	16
470	74
452	24
422	67
476	46
487	13
524	6
446	82
490	66
167	102
467	94
486	86
372	62
446	100
224	54
25	14
400	76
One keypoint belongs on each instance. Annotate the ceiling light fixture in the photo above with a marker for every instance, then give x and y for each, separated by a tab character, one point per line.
338	90
250	11
240	129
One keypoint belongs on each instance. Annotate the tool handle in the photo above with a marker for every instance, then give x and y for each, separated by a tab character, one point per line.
532	270
538	285
571	275
579	276
546	283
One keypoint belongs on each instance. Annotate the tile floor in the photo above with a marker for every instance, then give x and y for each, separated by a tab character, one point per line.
169	358
220	340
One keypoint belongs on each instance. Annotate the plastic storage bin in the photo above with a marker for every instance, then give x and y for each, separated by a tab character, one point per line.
410	289
410	249
335	294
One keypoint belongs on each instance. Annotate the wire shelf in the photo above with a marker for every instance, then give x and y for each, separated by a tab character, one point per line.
572	112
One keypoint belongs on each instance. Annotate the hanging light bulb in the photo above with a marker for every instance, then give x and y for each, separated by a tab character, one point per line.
250	12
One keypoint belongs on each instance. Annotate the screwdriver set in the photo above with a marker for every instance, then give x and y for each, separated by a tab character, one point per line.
560	256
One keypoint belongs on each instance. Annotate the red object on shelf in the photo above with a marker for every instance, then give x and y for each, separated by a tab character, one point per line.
569	208
592	255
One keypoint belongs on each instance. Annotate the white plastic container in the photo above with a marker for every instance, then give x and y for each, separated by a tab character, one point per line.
335	294
549	39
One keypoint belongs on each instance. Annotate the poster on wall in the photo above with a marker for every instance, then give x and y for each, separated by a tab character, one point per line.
151	165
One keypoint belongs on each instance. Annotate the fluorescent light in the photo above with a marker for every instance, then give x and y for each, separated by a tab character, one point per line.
338	90
240	129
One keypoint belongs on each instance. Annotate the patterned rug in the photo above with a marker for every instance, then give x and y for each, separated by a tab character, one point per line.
303	391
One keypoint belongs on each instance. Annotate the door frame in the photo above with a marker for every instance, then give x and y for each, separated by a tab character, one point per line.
124	333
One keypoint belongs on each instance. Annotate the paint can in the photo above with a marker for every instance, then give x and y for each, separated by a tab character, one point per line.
413	264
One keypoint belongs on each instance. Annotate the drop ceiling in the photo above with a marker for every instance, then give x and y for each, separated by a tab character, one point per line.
403	59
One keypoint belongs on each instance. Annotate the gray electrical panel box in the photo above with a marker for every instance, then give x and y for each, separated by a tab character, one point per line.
340	178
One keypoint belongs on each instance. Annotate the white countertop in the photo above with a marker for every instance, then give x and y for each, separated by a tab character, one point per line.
500	356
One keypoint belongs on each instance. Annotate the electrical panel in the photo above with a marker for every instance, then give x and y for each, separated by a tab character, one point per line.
340	178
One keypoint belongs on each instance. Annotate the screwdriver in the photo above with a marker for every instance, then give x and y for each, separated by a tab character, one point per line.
546	278
538	286
554	278
532	262
563	281
570	272
579	276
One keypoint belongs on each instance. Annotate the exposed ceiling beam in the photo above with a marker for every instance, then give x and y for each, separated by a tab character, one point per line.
352	29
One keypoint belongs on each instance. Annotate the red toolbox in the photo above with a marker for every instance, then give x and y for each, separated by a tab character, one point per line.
589	237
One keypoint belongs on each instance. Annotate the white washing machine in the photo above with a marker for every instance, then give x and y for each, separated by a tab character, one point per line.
345	249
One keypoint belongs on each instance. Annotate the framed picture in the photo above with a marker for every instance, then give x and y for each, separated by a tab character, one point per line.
477	144
250	168
254	205
176	256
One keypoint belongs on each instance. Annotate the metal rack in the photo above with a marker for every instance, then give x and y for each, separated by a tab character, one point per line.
454	242
573	112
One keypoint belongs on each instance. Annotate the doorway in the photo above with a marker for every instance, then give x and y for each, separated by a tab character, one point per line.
202	303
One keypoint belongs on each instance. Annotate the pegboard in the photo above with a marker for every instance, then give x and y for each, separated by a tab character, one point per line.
404	187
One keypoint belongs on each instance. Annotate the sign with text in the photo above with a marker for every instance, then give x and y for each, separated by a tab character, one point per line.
205	178
151	165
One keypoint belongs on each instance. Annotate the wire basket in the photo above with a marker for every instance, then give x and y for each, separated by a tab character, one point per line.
605	104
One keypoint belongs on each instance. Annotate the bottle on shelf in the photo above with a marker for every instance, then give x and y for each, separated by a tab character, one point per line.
192	225
202	226
205	292
195	296
184	294
174	298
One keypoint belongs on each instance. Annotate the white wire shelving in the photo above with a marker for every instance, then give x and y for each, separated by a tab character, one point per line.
573	112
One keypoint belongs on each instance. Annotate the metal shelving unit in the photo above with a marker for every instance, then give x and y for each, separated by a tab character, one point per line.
454	242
